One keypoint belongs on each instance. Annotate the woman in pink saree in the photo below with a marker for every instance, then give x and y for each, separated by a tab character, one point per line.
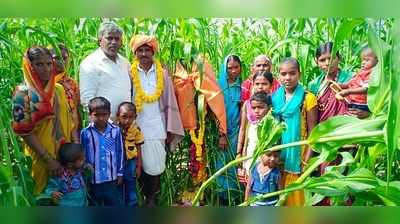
322	87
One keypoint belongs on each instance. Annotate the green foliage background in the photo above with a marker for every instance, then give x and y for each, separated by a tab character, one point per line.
183	39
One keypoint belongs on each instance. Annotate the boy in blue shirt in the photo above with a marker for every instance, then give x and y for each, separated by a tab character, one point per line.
264	178
102	143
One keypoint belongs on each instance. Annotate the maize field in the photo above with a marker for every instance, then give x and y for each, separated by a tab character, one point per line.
371	175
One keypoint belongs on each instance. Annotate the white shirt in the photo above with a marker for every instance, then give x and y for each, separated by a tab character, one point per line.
251	145
100	76
150	119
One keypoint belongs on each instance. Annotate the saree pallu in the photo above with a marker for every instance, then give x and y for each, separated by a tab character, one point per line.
71	89
329	106
228	181
292	172
51	132
41	109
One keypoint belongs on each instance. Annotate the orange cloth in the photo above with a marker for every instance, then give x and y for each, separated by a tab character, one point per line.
184	92
185	83
139	40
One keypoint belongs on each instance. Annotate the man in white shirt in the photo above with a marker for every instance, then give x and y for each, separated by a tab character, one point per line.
157	113
105	72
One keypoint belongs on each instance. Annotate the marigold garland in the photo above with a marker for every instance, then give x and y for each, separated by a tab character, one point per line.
198	141
201	175
197	168
140	95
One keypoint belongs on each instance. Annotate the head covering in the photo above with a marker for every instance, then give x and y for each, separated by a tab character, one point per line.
139	40
33	101
228	181
32	80
223	75
231	94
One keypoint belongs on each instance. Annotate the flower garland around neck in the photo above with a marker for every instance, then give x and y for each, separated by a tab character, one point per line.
140	95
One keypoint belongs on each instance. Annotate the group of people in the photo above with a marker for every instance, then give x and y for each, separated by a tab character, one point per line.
333	92
134	118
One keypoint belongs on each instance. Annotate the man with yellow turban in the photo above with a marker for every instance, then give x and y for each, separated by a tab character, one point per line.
157	112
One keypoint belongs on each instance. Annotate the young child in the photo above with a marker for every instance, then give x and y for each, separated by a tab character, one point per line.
262	82
103	146
133	139
356	89
260	103
69	188
264	178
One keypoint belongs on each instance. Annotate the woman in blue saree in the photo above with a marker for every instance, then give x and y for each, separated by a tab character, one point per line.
229	82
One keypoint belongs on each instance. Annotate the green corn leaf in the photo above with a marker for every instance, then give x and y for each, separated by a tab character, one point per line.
334	183
337	128
379	81
344	32
347	159
392	128
269	132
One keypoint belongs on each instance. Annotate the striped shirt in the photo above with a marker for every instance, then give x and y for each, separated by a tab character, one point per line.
104	152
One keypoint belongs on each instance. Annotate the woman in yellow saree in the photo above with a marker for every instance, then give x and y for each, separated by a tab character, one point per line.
41	115
71	88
